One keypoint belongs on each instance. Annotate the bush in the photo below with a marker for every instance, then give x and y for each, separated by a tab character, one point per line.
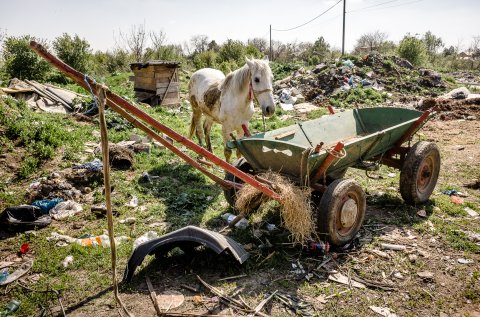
21	61
228	66
280	71
205	59
74	51
413	50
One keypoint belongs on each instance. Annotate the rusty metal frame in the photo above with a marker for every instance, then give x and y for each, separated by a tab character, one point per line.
389	157
327	162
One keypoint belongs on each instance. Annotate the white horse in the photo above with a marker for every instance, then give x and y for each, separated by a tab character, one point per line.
229	100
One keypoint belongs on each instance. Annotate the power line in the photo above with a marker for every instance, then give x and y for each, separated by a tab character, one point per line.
372	6
393	6
309	21
400	5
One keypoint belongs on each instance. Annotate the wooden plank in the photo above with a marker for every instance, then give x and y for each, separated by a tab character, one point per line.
166	74
144	75
161	91
168	87
165	85
149	69
142	81
164	80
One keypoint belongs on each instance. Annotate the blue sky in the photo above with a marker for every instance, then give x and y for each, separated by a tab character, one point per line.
456	21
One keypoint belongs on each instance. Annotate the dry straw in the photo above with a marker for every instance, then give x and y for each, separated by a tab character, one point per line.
296	211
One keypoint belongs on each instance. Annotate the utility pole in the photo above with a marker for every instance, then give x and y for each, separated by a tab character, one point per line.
271	55
343	37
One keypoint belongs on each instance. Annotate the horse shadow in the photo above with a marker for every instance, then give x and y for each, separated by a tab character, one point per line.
185	191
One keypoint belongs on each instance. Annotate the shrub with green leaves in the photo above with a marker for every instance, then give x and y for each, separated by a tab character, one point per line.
413	50
74	51
358	95
20	61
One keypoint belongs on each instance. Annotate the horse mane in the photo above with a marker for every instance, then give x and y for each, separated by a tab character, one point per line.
237	79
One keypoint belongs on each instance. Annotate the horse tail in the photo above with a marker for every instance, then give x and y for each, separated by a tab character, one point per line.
192	128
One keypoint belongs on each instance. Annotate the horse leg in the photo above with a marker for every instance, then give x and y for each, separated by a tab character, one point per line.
197	125
207	127
226	137
240	134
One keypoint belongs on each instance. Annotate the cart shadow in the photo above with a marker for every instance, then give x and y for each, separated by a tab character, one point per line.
186	192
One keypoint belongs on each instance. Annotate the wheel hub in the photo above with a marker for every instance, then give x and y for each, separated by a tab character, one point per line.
348	213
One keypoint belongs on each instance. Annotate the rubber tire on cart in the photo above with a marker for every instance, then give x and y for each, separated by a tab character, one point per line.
419	173
244	166
341	211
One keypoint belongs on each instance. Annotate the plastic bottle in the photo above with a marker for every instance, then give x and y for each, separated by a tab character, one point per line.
11	308
147	236
318	247
3	275
102	240
228	217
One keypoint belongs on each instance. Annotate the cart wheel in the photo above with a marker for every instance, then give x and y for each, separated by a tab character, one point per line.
420	172
230	194
341	211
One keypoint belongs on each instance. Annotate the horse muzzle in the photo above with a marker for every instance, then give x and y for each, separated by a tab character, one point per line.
268	111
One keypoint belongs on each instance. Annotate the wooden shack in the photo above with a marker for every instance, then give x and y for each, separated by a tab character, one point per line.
156	82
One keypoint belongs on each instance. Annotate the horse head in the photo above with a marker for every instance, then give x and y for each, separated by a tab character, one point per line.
261	78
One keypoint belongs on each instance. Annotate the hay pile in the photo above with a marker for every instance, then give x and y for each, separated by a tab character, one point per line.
296	211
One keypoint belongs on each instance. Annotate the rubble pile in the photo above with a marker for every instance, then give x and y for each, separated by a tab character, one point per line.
43	97
390	74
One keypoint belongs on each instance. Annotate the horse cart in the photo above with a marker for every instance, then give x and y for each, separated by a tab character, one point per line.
315	153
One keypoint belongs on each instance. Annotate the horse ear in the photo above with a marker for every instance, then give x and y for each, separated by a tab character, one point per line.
249	62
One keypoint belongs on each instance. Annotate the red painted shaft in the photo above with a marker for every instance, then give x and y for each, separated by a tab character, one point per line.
326	163
116	100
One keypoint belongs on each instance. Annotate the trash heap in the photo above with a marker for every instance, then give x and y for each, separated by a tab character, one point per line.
387	75
43	97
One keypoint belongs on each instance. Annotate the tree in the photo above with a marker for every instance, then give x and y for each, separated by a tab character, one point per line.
21	61
3	34
213	46
199	43
370	41
316	52
205	59
74	51
232	51
260	44
412	49
432	44
157	39
475	47
135	40
450	51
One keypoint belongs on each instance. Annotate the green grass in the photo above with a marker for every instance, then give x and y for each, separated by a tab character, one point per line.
41	136
181	196
358	96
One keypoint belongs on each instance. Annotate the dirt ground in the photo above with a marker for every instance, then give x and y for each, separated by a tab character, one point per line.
438	273
448	287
